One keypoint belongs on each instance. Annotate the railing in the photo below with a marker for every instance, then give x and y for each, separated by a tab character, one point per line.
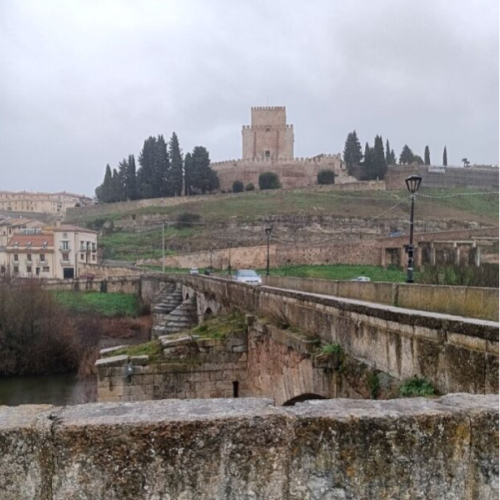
64	249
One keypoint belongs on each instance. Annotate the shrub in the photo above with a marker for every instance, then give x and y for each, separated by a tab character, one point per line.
238	187
416	386
326	177
249	187
269	180
187	219
331	349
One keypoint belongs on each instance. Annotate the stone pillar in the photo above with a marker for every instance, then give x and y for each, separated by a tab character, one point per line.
477	256
383	257
403	260
433	254
418	257
457	253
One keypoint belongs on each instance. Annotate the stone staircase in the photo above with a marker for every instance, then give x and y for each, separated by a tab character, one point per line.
181	318
169	299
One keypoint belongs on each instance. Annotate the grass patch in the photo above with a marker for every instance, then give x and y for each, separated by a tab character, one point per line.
104	304
221	326
152	349
341	272
416	386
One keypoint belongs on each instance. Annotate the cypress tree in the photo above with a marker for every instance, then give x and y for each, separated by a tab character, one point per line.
406	157
200	178
176	175
445	157
145	172
387	153
161	170
352	151
378	163
129	178
188	175
393	157
116	187
427	156
103	192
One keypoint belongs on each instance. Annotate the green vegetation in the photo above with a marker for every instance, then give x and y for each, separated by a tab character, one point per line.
341	272
152	349
326	177
329	349
145	245
221	326
238	187
105	304
269	180
373	383
416	386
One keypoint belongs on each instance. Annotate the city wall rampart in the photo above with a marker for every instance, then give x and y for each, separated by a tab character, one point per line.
235	449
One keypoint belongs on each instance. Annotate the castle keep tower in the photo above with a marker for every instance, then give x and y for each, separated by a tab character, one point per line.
268	136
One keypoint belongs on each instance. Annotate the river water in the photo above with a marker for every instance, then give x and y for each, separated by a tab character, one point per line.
59	389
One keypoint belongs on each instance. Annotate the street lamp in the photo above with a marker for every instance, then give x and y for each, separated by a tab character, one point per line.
229	260
269	230
412	183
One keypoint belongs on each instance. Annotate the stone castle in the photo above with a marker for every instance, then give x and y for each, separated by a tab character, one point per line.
268	147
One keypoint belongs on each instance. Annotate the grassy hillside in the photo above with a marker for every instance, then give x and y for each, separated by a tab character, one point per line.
105	304
249	207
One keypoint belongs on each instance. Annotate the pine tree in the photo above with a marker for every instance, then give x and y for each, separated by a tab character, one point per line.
427	156
406	157
445	157
176	175
352	151
378	162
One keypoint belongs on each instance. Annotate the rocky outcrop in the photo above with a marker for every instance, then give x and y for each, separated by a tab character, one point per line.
242	449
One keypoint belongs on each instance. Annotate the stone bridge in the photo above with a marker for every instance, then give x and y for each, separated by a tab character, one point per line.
457	354
379	345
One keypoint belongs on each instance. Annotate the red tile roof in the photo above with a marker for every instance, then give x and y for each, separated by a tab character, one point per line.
36	240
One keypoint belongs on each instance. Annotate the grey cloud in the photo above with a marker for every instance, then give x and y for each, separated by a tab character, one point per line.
85	82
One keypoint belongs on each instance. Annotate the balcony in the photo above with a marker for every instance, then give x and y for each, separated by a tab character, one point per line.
42	262
64	248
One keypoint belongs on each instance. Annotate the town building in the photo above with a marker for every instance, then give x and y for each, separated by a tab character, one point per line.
48	203
58	252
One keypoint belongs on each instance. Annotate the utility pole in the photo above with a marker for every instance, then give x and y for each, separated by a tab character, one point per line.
163	247
229	260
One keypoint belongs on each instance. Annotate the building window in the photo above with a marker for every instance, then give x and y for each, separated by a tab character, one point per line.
16	269
46	269
267	129
42	257
93	257
28	269
93	247
82	256
65	257
16	257
268	153
65	245
28	257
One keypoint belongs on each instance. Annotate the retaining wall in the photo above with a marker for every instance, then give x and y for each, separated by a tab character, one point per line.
248	449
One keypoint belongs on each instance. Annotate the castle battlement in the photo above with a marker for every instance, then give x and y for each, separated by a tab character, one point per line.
269	108
249	162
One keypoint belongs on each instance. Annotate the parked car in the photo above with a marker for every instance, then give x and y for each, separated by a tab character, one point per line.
194	270
247	276
361	278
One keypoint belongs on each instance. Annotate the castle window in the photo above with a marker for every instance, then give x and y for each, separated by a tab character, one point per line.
268	153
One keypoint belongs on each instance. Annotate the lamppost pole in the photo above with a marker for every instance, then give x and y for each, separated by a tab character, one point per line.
412	183
229	260
269	230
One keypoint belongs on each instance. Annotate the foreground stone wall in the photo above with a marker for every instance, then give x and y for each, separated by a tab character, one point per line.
472	302
455	353
244	449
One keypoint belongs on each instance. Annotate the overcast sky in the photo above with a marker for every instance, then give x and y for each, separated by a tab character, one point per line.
83	83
